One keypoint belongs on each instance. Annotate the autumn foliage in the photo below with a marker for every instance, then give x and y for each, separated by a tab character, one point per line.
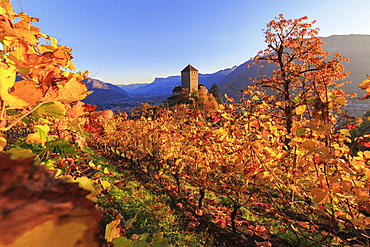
40	94
278	152
37	78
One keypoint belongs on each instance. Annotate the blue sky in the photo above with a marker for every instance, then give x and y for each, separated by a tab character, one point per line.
130	41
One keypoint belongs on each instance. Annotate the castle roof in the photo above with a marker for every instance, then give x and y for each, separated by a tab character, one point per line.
188	69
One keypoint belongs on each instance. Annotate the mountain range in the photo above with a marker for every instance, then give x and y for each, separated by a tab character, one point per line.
355	47
165	85
103	91
129	88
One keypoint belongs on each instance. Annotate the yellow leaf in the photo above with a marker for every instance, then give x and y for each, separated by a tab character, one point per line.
76	110
340	100
28	35
345	132
7	75
293	187
112	231
2	142
33	138
299	110
6	8
309	145
49	211
346	184
88	184
105	184
71	232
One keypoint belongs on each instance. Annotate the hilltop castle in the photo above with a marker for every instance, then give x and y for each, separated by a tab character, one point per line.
189	78
191	91
189	81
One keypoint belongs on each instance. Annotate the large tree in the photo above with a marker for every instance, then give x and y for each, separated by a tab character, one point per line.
306	80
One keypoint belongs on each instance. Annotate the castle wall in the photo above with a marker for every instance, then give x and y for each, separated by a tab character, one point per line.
189	80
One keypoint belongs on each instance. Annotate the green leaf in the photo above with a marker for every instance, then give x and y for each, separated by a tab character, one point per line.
311	100
122	242
144	237
54	109
43	131
61	146
125	242
300	131
160	241
20	153
296	100
128	224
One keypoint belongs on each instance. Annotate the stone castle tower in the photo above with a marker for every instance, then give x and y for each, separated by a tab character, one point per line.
189	78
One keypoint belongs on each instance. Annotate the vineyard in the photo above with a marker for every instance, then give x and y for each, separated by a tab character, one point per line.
282	165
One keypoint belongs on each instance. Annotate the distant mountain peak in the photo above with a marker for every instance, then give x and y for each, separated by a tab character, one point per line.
103	91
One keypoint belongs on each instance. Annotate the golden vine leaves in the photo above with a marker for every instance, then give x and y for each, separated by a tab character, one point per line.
45	69
7	75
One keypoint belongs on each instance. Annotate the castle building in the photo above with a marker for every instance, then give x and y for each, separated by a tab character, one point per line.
189	78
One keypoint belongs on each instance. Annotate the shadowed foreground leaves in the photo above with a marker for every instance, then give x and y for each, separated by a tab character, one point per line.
38	210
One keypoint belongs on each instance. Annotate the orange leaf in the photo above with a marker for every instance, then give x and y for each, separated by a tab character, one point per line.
320	196
365	85
198	212
76	110
72	90
367	221
27	90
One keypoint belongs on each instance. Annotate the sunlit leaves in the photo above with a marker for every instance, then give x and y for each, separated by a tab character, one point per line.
281	150
55	109
27	90
3	142
112	230
345	132
299	110
36	75
305	81
7	75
